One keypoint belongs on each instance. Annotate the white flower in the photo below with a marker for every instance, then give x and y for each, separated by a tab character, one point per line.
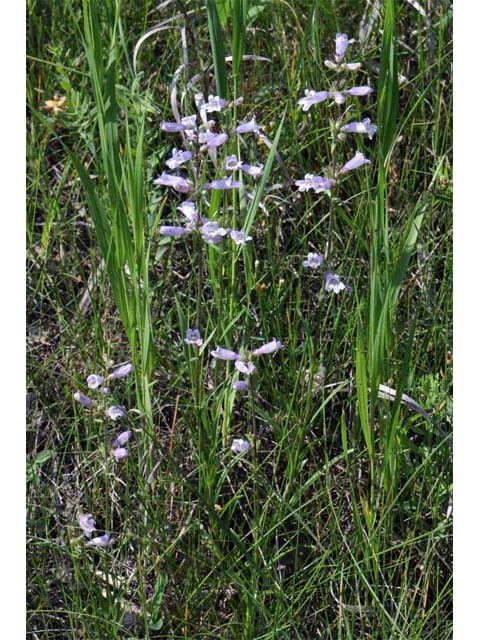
240	446
94	381
333	283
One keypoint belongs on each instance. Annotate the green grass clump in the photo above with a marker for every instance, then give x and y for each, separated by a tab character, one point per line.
336	523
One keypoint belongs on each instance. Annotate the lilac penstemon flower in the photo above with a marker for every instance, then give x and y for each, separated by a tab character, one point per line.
173	232
215	103
122	439
178	158
341	45
212	140
121	372
188	122
251	170
317	183
193	337
182	185
94	381
224	183
189	210
247	127
312	97
82	399
212	232
269	347
333	283
231	163
247	368
357	161
240	385
313	261
239	237
120	453
361	127
359	91
239	445
87	524
225	354
101	541
115	412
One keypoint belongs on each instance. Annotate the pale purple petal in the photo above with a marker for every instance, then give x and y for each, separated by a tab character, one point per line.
224	354
359	91
122	439
94	381
121	372
269	347
239	237
173	232
224	183
236	102
87	524
82	399
247	127
172	127
341	44
189	210
231	163
178	183
115	412
357	161
212	139
120	453
333	283
251	170
245	367
240	446
190	122
317	183
361	127
338	97
240	385
213	232
178	157
101	541
313	261
351	66
105	390
215	103
312	97
193	337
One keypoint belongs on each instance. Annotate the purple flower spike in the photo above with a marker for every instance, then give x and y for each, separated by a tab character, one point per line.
212	139
178	183
81	399
247	127
312	97
224	183
101	541
357	161
341	44
193	337
317	183
251	170
87	524
120	453
361	127
178	158
231	163
173	232
333	283
239	237
359	91
224	354
240	385
115	412
247	368
240	446
94	381
172	127
122	439
313	261
269	347
121	372
215	103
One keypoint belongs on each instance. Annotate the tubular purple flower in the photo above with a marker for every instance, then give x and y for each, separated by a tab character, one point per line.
178	183
351	66
212	139
247	368
357	161
82	399
236	102
94	381
178	158
190	122
101	541
341	45
224	354
361	127
231	163
193	337
122	439
333	283
115	412
215	103
269	347
212	232
359	91
251	170
312	97
87	524
189	210
239	237
313	261
240	385
174	232
120	453
172	127
224	183
317	183
240	446
247	127
121	372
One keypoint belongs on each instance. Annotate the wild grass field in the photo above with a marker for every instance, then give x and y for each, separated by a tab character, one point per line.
239	349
